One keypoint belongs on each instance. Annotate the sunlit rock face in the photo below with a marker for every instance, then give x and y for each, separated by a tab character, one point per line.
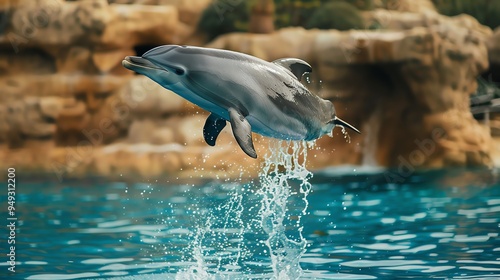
69	108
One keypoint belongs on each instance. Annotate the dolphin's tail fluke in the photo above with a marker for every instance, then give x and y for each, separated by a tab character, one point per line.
338	121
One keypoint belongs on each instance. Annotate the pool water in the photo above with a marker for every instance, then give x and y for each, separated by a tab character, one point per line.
439	225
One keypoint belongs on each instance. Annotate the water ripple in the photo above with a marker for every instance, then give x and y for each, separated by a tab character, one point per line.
63	276
381	263
420	268
383	246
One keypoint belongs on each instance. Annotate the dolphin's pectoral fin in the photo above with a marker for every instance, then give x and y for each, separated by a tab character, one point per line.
213	127
297	66
242	132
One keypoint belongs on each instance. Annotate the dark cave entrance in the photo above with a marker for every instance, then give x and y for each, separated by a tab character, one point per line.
141	49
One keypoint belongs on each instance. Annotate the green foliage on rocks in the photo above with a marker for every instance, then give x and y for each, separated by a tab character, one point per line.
299	13
336	15
487	12
225	16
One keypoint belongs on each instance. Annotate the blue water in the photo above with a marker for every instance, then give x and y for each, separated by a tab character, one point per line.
439	225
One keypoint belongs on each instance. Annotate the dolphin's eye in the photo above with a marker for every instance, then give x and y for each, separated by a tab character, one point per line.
179	71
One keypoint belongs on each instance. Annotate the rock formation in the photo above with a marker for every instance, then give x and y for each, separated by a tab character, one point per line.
69	108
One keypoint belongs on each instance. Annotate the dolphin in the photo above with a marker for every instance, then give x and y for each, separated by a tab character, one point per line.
252	94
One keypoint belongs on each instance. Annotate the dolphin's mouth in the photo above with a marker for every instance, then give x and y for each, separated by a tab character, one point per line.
134	62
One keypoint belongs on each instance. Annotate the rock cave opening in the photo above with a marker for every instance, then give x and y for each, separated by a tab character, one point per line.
141	49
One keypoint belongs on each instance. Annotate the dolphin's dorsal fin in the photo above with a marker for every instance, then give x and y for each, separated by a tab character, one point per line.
242	131
297	66
213	126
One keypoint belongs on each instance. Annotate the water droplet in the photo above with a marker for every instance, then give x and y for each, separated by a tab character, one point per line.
346	135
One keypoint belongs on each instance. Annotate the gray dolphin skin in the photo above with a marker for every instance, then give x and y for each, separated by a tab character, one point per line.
252	94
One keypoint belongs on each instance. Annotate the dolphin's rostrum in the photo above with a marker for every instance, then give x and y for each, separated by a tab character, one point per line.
252	94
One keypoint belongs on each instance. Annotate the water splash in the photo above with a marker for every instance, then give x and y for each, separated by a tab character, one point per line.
285	241
219	245
197	271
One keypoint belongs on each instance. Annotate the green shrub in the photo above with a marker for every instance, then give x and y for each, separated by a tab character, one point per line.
336	15
493	14
487	12
224	16
364	5
299	12
294	12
